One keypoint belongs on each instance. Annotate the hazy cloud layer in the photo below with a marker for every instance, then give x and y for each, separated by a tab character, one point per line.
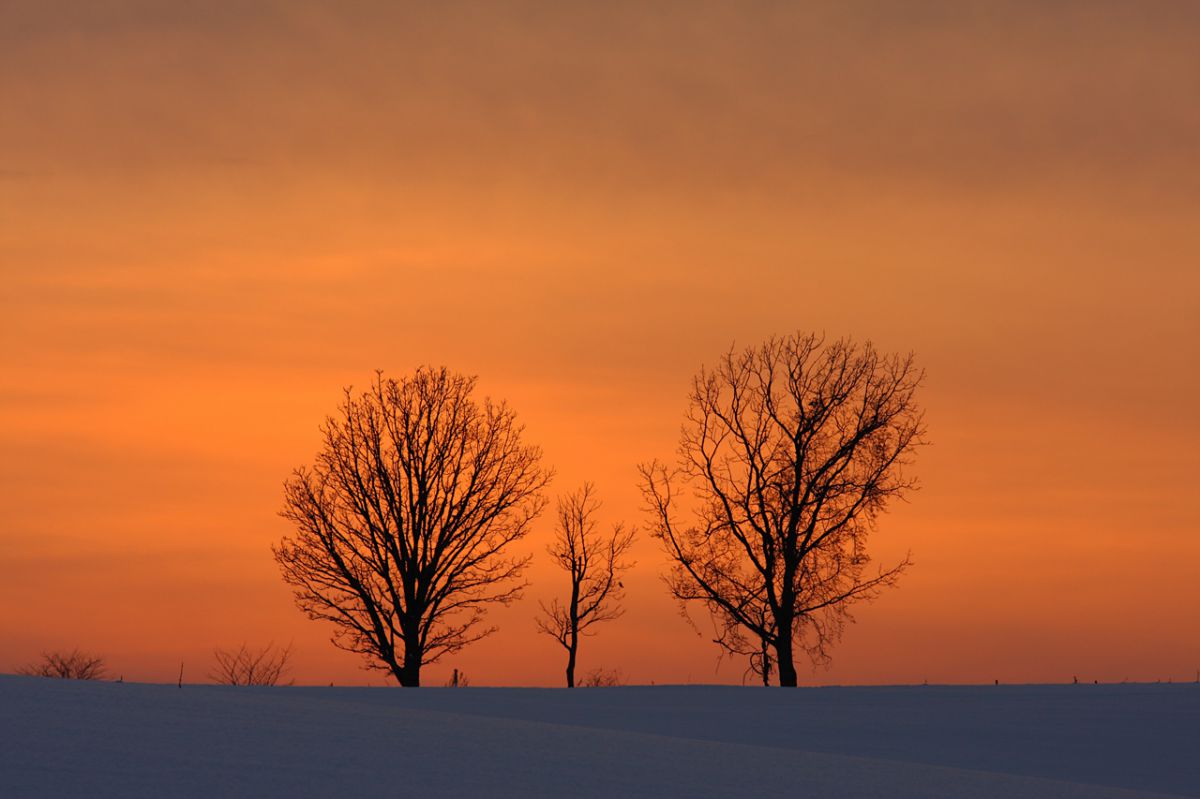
712	95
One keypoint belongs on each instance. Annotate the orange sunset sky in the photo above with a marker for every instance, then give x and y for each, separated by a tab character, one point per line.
215	216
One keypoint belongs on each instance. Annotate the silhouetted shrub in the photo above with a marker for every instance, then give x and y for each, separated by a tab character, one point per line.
73	665
602	678
266	666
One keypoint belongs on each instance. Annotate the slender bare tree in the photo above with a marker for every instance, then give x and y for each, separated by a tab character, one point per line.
593	562
404	522
246	666
791	450
73	665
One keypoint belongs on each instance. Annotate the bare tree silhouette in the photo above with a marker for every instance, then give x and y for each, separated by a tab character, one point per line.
793	450
404	521
245	666
73	665
594	564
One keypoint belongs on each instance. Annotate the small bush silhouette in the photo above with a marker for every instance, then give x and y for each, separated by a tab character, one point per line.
73	665
266	666
602	678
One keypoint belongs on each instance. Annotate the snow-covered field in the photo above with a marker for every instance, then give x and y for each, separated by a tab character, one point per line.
63	738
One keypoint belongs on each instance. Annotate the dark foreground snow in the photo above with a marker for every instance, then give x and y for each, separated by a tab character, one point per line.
60	738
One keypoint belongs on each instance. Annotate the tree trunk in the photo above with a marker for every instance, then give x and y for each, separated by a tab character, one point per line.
573	646
410	676
783	662
766	664
571	650
410	672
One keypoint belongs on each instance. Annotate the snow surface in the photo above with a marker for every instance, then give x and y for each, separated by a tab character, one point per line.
65	738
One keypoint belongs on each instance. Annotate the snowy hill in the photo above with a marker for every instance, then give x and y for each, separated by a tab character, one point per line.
62	738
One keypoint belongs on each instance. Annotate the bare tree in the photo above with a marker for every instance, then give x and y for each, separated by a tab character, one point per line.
73	665
594	563
404	521
792	450
245	666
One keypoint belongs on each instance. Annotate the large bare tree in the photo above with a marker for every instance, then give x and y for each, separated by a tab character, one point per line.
404	523
789	453
594	563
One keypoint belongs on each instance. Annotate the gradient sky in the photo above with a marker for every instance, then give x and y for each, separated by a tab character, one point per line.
214	218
